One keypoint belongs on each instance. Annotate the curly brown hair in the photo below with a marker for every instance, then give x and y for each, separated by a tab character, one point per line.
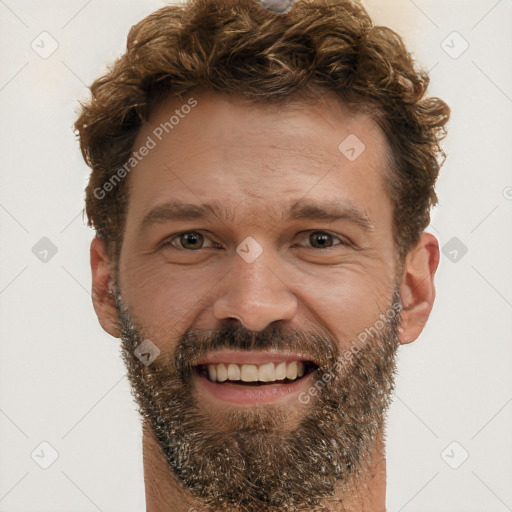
237	47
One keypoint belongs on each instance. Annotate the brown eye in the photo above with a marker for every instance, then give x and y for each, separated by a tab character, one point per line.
191	240
323	240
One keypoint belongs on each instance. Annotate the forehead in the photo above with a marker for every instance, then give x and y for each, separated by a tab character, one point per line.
229	147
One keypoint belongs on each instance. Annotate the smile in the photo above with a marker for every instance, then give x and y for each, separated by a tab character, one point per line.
256	374
249	377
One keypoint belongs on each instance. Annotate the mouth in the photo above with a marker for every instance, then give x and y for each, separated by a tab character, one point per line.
256	375
249	377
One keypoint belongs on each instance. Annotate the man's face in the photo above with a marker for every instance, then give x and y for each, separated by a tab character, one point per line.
273	289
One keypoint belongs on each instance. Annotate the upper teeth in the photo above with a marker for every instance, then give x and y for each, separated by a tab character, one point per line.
267	372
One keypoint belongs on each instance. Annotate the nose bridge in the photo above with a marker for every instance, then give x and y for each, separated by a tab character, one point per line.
253	292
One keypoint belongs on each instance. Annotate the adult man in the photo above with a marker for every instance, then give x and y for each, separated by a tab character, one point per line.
260	187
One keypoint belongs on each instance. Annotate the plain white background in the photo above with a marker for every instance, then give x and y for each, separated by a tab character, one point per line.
61	377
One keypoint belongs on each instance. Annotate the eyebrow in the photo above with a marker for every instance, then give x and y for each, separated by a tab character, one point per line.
330	211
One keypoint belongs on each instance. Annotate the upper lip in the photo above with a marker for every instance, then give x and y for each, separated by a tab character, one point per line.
250	357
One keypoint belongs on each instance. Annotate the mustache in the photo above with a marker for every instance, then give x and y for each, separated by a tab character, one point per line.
194	345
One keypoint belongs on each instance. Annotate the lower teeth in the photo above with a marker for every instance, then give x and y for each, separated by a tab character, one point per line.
256	383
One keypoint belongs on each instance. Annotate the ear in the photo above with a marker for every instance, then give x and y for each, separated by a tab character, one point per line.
102	293
417	289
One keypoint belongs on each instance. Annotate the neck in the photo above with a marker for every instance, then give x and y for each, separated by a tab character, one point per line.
164	492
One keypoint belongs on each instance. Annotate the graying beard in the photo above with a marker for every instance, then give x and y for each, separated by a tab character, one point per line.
234	471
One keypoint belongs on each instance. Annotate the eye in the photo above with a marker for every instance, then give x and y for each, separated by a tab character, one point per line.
323	240
189	240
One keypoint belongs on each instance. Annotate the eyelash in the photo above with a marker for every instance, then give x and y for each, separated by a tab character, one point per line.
168	242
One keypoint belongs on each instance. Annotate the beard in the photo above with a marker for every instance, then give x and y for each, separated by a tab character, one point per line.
268	458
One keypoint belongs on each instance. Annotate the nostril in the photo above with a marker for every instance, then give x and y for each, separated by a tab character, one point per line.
232	321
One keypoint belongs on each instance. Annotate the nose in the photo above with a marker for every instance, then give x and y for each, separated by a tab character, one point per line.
255	293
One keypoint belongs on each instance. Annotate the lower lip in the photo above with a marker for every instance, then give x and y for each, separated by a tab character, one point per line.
246	394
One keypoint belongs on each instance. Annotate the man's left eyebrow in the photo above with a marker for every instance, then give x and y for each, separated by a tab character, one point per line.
331	212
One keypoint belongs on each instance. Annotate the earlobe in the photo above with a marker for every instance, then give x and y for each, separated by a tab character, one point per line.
102	288
417	289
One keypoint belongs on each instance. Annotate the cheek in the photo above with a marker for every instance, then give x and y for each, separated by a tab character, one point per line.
164	298
348	301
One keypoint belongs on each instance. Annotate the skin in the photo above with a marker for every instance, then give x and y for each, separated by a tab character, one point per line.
259	161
